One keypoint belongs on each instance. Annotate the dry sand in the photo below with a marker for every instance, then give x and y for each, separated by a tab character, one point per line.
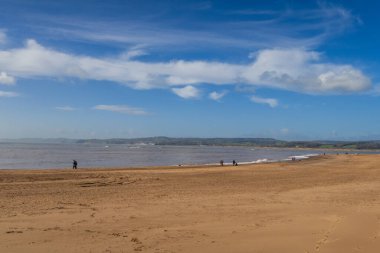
324	204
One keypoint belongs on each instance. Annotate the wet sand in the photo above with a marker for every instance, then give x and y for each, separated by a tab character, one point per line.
324	204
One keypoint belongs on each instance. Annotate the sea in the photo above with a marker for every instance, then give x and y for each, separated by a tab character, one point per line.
51	156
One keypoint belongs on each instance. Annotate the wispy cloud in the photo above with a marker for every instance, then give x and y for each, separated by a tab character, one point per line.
267	101
296	70
133	53
6	79
8	94
217	96
121	109
275	28
187	92
65	108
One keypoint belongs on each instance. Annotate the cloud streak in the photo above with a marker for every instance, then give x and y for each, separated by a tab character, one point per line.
296	69
274	28
125	109
8	94
65	108
267	101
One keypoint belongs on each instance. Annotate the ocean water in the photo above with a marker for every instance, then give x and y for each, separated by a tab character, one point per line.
43	156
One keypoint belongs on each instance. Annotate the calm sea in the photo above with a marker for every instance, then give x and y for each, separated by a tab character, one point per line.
42	156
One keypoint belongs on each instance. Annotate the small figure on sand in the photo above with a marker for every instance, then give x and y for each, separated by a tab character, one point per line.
234	163
221	162
75	165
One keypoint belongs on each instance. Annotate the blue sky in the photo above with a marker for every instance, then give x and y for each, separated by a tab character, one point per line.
293	70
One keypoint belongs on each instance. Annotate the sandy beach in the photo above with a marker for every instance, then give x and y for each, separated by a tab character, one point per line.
324	204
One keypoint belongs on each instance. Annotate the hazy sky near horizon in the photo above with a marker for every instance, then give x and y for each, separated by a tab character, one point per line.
102	69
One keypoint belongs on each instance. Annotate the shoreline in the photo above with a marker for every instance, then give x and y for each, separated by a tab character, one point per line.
192	166
46	157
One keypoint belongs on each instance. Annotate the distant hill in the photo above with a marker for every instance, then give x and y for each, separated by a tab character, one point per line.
191	141
39	140
255	142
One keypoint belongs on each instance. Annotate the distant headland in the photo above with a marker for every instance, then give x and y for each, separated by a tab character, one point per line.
253	142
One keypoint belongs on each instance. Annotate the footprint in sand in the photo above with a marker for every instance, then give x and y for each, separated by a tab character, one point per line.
135	240
54	228
139	246
327	234
13	232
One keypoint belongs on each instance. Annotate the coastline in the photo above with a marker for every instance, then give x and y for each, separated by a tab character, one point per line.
161	167
45	156
324	149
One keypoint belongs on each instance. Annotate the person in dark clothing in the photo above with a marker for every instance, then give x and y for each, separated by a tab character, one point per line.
75	165
221	162
234	163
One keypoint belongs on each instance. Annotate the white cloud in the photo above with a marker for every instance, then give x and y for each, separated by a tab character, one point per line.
217	96
187	92
8	94
121	109
65	108
268	101
297	70
6	79
302	71
35	60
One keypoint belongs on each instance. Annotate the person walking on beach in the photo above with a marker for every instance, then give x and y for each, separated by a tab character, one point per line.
75	165
234	163
221	162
